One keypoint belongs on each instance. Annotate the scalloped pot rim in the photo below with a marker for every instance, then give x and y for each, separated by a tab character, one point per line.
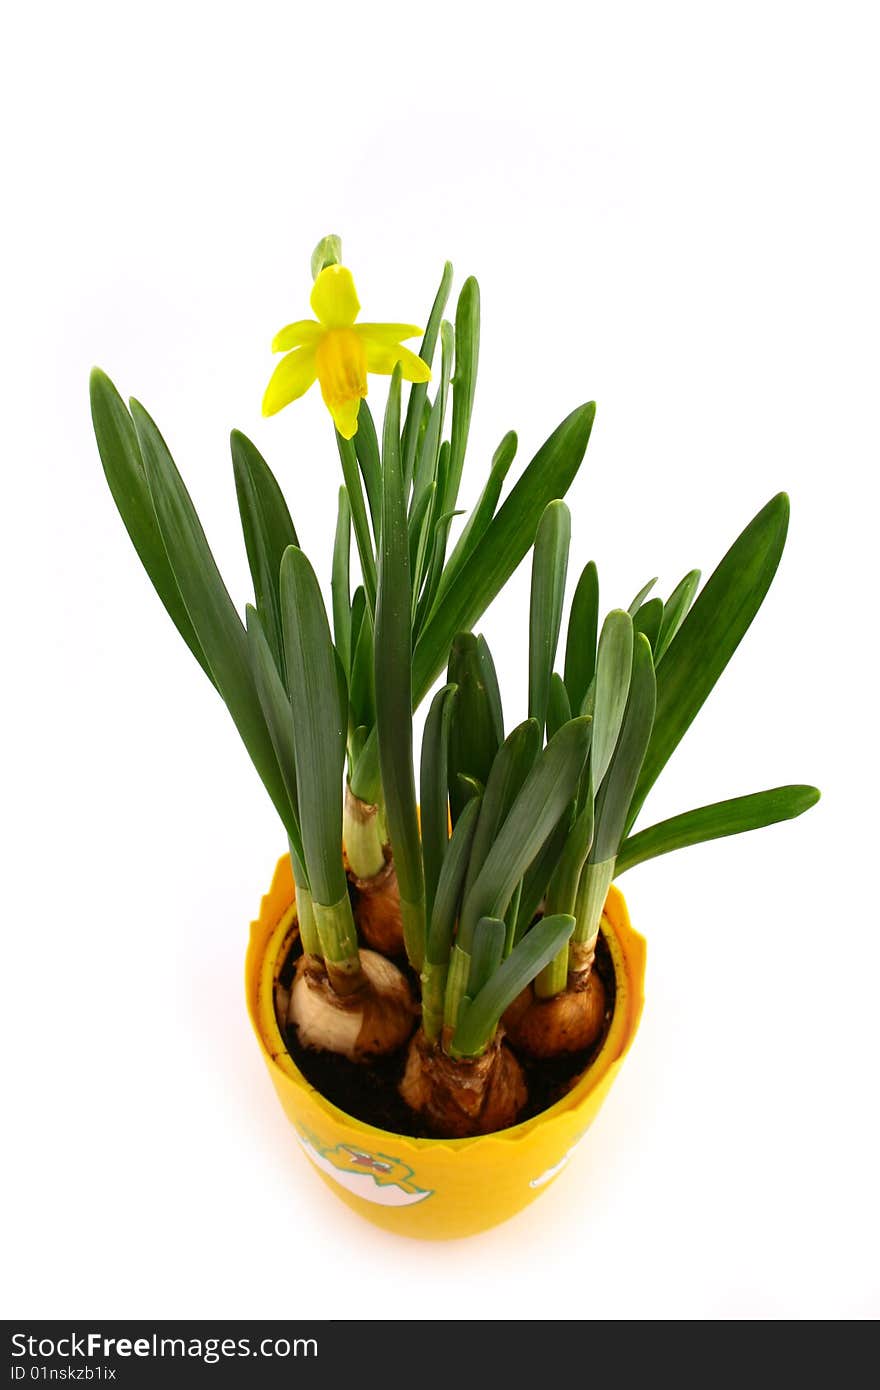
434	1188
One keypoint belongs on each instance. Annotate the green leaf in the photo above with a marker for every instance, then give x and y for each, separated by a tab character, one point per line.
268	531
710	634
580	644
487	953
211	611
419	390
435	566
482	513
546	792
348	458
511	766
648	619
506	540
420	535
558	708
340	582
276	710
366	448
319	731
536	879
467	353
477	1023
640	597
713	822
362	687
615	794
429	451
393	684
450	884
434	789
549	571
474	735
675	611
613	667
127	480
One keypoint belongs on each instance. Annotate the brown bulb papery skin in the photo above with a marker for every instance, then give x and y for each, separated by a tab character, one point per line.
376	908
373	1021
461	1098
569	1022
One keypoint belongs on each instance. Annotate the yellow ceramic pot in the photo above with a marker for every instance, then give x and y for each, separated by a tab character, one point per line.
436	1189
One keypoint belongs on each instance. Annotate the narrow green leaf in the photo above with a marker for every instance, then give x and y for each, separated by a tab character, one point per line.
467	353
340	582
648	619
420	536
675	610
580	644
276	709
449	885
429	450
434	789
393	684
366	448
348	458
124	470
511	766
549	571
615	794
537	877
268	531
362	683
487	953
732	817
419	390
482	514
477	1024
211	611
613	666
435	565
474	736
710	634
641	596
558	708
319	730
546	792
506	540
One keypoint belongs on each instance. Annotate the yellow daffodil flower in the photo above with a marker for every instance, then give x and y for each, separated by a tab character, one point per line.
338	352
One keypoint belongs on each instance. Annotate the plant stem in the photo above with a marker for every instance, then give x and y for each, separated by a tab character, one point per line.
339	945
554	977
361	836
305	916
414	927
456	985
593	890
562	896
433	996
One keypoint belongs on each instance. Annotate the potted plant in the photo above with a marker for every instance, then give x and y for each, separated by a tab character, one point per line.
443	998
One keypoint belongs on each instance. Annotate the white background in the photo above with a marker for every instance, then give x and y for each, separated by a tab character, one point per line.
671	209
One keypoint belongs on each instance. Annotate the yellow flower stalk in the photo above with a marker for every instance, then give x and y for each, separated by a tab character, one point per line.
338	352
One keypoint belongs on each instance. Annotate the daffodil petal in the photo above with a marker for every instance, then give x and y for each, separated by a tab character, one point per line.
334	298
345	416
381	358
295	335
291	378
388	333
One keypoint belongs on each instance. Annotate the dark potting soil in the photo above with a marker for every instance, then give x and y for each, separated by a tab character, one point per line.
369	1092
